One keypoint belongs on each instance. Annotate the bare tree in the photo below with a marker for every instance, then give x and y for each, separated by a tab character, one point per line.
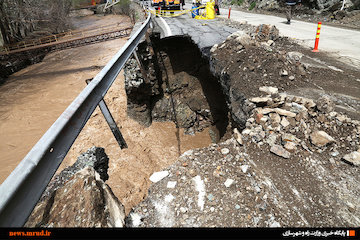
21	17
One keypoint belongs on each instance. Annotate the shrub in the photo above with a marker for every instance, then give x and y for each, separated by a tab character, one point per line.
252	5
238	2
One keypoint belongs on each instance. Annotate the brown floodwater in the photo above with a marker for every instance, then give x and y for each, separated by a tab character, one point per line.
33	98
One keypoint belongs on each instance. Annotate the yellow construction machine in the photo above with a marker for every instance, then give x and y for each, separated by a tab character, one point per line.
167	4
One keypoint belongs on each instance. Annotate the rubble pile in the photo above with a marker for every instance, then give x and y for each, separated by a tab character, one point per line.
295	164
290	124
79	196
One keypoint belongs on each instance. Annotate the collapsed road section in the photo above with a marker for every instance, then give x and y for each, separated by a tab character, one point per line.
175	86
277	158
293	159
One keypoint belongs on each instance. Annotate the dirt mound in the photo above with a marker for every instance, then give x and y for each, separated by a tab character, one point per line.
244	67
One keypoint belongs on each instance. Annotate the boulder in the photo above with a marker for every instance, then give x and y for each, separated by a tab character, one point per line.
296	108
284	122
280	151
242	38
185	116
265	111
294	57
325	104
290	146
321	138
287	137
237	136
353	158
285	112
258	117
84	201
265	32
95	157
283	72
275	118
158	176
260	100
213	48
269	90
271	139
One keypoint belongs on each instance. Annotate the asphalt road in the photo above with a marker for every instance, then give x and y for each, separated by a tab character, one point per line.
205	33
342	43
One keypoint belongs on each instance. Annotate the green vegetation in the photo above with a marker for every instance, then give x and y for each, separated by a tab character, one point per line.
237	2
252	5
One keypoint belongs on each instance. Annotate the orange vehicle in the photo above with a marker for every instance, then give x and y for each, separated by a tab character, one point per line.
155	3
167	4
172	4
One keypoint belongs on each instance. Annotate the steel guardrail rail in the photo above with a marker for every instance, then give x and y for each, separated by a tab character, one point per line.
20	192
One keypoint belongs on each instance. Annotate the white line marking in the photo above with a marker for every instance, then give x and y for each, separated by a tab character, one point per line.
167	28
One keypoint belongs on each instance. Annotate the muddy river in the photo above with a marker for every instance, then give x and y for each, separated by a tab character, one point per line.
33	98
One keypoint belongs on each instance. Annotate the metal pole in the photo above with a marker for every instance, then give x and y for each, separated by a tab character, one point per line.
114	128
111	122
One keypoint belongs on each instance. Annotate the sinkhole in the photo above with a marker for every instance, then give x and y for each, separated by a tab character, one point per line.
170	80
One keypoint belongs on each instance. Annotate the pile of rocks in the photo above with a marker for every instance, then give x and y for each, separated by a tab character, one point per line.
274	173
79	196
288	124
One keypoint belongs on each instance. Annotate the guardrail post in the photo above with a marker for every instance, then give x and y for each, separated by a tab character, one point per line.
111	122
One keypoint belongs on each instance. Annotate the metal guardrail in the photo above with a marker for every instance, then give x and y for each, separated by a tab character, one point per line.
110	3
20	192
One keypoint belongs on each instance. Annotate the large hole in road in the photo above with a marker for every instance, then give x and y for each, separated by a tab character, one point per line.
174	83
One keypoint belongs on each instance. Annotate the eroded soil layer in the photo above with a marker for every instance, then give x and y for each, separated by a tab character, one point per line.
176	85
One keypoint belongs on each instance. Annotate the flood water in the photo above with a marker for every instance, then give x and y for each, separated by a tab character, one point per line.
33	98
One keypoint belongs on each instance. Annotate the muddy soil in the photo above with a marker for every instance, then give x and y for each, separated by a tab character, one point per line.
317	75
33	98
176	86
